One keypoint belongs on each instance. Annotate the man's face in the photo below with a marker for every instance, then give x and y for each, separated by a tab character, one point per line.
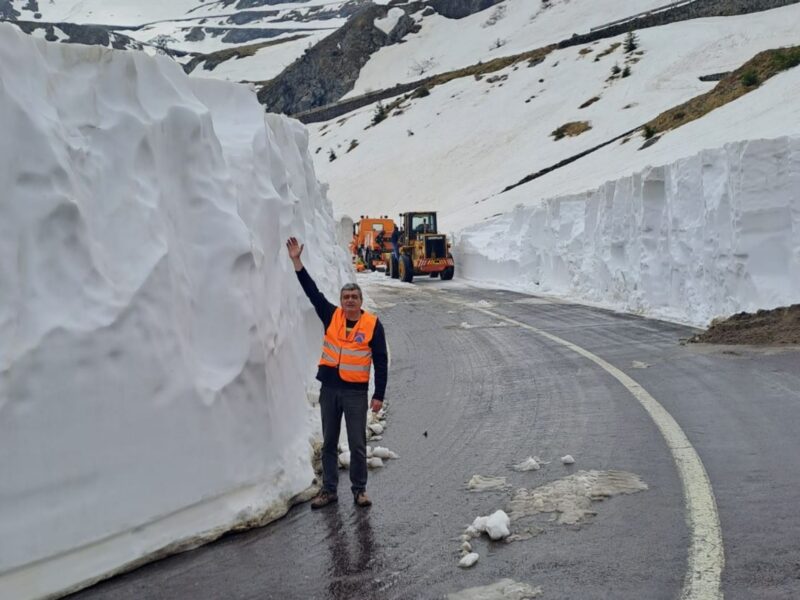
350	300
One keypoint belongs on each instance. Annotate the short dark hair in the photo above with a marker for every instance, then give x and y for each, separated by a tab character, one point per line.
352	286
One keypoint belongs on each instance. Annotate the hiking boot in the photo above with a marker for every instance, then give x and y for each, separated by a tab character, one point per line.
323	499
362	499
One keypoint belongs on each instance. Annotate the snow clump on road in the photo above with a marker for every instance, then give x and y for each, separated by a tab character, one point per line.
481	483
496	525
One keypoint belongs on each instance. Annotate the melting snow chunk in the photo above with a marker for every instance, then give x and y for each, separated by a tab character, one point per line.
571	497
469	560
568	460
495	525
532	463
479	483
505	589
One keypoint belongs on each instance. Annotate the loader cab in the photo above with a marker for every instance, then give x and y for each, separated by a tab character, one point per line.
419	223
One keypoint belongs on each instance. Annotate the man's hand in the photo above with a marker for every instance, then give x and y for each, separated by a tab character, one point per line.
376	405
295	249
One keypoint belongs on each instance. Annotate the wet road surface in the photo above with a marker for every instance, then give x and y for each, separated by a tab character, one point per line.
488	395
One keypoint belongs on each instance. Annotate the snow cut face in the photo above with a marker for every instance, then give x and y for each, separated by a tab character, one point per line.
144	283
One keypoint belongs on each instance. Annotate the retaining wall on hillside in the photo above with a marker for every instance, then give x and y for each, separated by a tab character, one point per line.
696	10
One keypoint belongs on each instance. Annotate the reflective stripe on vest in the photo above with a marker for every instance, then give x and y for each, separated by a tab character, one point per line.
349	353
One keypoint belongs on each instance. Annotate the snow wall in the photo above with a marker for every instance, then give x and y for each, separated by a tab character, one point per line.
155	345
703	237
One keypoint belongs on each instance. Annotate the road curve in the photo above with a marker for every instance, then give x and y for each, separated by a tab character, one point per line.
474	388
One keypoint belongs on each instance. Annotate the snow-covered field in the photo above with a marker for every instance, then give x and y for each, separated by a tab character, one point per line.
155	346
457	149
202	27
508	28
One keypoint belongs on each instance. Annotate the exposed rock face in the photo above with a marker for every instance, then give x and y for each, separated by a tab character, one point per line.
329	70
90	35
458	9
7	10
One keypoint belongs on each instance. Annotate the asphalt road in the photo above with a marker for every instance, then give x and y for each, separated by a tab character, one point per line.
489	393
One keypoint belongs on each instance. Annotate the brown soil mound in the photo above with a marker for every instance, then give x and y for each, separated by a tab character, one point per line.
779	326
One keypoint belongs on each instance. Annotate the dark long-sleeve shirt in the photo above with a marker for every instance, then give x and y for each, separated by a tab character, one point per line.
330	375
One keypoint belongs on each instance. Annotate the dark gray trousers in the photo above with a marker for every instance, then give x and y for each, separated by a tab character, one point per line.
334	403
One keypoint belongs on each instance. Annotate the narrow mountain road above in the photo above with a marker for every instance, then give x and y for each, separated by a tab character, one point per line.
475	388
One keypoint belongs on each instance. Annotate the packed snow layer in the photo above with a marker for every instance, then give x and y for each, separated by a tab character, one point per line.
705	236
155	345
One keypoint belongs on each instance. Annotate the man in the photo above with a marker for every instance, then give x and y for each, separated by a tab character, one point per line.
354	340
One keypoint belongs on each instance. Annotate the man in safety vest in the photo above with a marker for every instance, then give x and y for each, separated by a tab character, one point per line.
354	341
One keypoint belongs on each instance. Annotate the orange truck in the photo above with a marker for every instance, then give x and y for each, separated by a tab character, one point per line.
371	238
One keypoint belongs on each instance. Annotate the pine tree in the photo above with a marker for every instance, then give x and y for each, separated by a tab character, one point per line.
379	114
631	42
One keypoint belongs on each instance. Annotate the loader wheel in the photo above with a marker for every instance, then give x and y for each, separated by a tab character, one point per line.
406	269
393	268
448	273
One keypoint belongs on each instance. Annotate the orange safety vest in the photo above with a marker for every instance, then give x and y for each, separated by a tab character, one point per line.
351	353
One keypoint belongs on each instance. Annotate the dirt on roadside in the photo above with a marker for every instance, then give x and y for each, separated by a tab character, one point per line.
776	327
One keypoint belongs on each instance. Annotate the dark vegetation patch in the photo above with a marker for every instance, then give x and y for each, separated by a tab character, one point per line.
608	51
589	102
571	129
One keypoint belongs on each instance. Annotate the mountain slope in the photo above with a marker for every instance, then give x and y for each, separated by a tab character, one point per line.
461	146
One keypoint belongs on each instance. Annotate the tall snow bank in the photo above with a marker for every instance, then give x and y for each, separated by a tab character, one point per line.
709	235
154	343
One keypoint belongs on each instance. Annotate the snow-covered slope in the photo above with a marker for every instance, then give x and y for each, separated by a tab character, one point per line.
508	28
458	148
188	28
154	345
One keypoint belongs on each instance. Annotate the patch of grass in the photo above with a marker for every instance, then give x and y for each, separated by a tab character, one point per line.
584	51
749	78
571	129
608	51
491	66
786	58
762	66
589	102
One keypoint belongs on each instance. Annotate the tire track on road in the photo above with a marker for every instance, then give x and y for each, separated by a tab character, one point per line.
706	559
